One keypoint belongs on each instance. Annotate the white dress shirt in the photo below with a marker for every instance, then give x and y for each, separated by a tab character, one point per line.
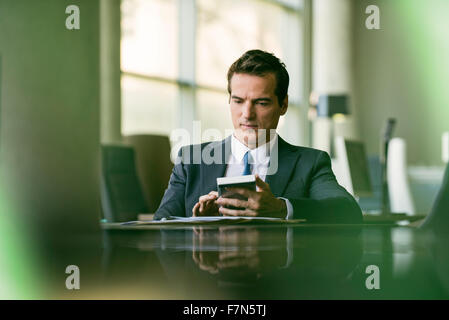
259	158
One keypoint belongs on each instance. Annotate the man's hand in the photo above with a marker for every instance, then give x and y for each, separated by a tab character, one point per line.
206	205
236	250
260	203
243	255
205	259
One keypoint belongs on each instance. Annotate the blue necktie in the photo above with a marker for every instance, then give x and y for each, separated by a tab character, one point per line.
247	165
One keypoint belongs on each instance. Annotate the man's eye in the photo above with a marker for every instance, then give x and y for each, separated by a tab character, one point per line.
264	104
238	101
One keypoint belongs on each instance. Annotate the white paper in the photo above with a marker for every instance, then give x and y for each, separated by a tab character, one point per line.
210	219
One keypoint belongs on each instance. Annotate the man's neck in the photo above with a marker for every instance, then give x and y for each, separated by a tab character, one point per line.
260	142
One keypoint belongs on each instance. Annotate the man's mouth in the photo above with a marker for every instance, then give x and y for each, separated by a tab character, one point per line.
248	126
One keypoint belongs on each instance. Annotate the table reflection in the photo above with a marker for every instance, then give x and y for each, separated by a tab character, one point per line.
260	263
276	262
234	252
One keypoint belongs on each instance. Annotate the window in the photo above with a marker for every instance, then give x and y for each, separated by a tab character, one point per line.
149	44
175	55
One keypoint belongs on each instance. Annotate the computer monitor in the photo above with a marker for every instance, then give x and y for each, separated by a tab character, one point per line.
354	168
358	168
354	174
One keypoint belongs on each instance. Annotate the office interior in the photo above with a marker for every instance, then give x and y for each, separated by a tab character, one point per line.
139	69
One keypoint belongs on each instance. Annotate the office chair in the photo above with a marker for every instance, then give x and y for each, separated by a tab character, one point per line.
121	194
154	165
401	199
362	177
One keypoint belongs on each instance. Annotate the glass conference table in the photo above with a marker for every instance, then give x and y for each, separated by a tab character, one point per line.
272	261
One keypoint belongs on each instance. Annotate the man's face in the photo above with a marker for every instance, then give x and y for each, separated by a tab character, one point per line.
254	106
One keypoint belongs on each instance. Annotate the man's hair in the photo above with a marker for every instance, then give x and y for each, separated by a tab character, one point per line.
261	63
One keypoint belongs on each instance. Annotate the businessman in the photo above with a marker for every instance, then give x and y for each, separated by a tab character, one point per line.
292	181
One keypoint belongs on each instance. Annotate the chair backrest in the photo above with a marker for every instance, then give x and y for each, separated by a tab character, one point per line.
121	194
154	165
445	147
401	199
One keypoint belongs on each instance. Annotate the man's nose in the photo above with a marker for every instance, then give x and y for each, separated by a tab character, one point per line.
248	110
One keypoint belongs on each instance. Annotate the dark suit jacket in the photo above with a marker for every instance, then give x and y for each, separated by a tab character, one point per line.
304	176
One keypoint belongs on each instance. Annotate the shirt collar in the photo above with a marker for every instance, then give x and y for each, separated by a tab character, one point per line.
261	153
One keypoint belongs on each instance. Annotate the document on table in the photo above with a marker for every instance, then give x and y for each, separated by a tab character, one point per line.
212	220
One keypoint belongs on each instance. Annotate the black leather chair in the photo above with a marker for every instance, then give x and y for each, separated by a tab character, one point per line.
122	198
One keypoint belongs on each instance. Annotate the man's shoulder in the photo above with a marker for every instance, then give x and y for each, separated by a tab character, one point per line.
305	151
202	146
193	153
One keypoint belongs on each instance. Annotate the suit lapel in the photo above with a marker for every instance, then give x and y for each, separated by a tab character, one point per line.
286	159
211	171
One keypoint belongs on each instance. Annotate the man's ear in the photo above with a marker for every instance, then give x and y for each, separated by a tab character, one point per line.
284	105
